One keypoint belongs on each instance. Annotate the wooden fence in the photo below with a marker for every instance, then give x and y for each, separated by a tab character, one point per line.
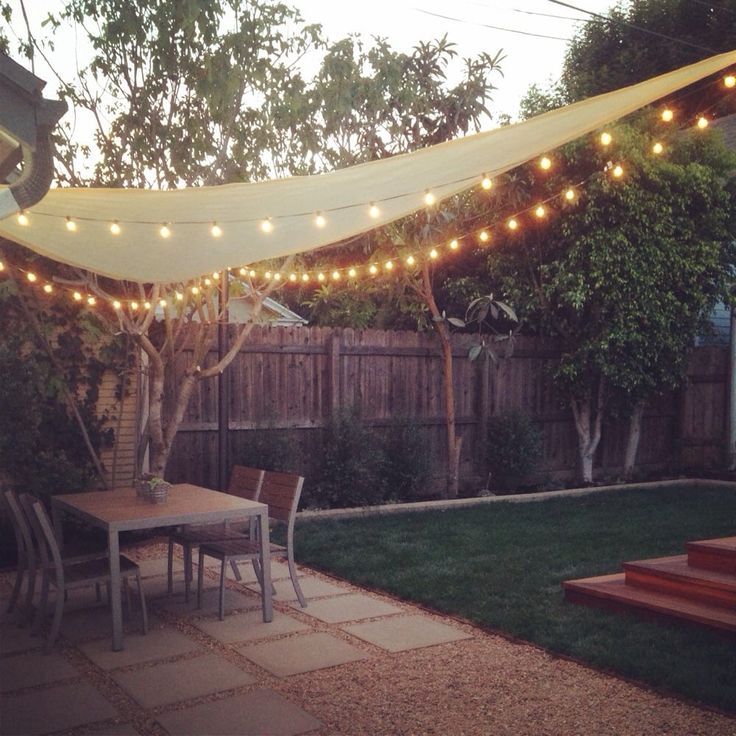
293	379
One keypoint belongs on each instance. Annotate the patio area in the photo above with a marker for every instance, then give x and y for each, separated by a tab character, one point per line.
352	662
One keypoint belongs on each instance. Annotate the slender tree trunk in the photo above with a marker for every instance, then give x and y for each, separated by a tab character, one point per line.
588	414
632	442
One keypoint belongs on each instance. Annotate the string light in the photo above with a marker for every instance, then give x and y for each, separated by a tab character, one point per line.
667	115
134	306
545	163
352	273
165	231
618	171
373	270
374	211
208	282
71	226
31	277
163	303
606	139
320	220
657	148
2	266
320	277
252	273
433	254
702	122
116	305
729	81
336	275
454	245
115	227
77	296
267	275
305	277
216	275
410	261
215	230
243	271
48	288
292	277
570	194
429	198
146	305
267	225
389	265
513	224
483	236
91	301
195	290
277	277
540	211
486	182
22	219
179	296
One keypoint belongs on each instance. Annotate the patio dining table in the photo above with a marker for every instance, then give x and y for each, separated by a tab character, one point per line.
122	510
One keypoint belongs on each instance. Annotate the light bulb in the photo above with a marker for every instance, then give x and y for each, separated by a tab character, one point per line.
373	211
373	270
195	290
657	148
486	182
429	198
433	253
389	265
146	305
292	277
352	273
267	275
305	277
179	296
2	266
729	81
606	139
540	211
277	277
115	228
243	272
31	277
667	115
320	220
702	122
215	230
320	277
71	226
91	301
134	306
570	195
163	303
454	245
483	236
165	231
252	273
266	225
410	261
512	224
48	288
335	275
618	171
22	219
545	163
77	296
216	275
116	304
208	282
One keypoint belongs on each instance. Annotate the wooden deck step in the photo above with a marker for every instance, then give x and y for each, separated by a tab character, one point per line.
713	554
611	593
673	576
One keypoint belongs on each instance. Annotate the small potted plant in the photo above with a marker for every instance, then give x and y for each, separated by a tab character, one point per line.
158	489
141	486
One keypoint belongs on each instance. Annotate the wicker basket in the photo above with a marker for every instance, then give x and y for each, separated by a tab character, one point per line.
158	492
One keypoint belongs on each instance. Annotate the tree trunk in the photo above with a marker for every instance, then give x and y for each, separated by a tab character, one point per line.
588	414
632	442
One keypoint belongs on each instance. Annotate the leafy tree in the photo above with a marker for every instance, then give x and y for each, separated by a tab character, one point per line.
625	278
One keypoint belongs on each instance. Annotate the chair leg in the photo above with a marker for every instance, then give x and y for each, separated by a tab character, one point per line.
257	568
142	599
43	603
170	568
16	587
56	624
222	589
28	603
295	579
200	578
128	606
188	572
236	570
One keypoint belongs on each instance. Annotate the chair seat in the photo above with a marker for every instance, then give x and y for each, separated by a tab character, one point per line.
238	548
196	535
92	570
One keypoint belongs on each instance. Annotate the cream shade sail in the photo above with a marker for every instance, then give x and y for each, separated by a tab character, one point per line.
395	185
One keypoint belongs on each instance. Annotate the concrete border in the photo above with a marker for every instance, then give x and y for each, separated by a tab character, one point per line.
460	503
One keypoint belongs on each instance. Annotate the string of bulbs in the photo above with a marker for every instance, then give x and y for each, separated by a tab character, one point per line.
481	236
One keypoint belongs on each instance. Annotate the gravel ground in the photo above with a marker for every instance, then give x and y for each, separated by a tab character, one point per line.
475	687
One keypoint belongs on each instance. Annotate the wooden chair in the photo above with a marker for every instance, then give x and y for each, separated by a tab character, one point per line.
67	575
281	491
245	482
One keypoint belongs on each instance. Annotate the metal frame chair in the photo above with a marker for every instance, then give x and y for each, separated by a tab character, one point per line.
27	562
72	573
245	482
281	491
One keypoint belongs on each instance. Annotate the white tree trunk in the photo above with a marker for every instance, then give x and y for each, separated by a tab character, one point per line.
632	442
588	414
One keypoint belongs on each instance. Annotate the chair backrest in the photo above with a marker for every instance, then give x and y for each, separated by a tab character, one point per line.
281	491
44	534
246	482
23	534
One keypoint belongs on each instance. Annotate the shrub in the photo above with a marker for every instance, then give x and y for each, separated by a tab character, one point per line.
514	449
407	461
268	449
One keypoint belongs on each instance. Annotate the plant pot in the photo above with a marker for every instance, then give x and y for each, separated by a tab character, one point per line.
141	487
159	492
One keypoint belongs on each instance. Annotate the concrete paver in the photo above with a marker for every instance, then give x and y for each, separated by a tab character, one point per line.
177	681
157	644
279	570
234	600
311	587
253	714
347	608
400	633
16	639
35	668
299	654
54	709
248	626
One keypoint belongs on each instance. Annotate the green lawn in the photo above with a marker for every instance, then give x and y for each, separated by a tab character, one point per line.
501	566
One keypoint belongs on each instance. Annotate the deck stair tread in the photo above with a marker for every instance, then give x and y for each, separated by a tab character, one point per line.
713	554
677	568
724	545
613	588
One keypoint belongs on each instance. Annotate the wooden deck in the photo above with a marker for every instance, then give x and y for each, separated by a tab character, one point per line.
698	588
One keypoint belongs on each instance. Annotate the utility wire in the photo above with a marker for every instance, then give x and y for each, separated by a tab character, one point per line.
495	28
634	26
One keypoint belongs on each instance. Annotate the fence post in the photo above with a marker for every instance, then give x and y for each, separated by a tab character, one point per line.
484	409
333	371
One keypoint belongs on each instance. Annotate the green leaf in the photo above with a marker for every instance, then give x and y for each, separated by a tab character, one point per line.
474	351
455	322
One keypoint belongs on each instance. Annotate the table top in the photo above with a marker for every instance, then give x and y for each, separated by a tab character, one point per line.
123	510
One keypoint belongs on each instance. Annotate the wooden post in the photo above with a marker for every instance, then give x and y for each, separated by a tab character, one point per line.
223	387
333	370
731	439
484	409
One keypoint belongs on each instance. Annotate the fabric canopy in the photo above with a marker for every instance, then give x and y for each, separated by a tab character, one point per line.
396	185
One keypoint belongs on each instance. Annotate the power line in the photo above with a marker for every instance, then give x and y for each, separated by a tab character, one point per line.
633	26
495	28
